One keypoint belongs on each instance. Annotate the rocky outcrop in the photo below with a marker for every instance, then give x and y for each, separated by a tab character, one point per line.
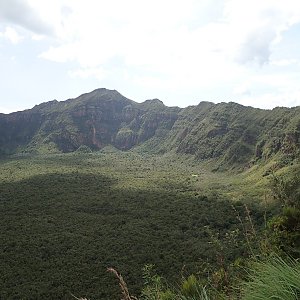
96	119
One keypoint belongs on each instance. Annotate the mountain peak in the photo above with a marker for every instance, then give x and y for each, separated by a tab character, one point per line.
100	92
104	90
153	103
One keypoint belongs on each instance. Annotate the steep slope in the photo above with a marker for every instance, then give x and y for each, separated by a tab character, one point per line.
236	135
102	117
228	133
18	129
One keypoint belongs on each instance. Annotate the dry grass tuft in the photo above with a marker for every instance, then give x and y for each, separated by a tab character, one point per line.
79	298
123	285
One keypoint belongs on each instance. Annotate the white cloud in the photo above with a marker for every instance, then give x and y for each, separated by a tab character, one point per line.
285	62
97	73
23	14
12	35
272	99
270	90
37	37
172	45
242	89
157	34
255	27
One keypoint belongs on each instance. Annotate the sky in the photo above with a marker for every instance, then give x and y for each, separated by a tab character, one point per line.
180	51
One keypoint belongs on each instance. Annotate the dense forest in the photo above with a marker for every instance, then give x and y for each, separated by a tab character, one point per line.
195	203
66	218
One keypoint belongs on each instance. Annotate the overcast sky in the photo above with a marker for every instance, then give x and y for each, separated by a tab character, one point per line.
180	51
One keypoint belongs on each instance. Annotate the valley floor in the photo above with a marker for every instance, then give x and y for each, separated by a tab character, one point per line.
65	218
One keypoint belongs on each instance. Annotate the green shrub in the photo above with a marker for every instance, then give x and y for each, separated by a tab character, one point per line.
192	289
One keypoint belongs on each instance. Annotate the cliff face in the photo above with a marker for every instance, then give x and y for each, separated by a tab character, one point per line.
237	135
227	132
17	129
96	119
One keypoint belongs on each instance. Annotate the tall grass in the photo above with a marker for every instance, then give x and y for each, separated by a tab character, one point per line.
276	278
122	284
273	279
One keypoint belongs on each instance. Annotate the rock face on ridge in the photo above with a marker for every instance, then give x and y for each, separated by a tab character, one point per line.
102	117
228	132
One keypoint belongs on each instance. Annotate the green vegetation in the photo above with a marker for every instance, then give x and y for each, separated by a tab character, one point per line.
66	218
201	193
273	279
227	135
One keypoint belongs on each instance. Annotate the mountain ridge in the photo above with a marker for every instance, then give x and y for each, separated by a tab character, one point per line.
229	133
55	101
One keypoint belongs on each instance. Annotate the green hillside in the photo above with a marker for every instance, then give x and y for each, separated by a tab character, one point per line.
101	181
228	134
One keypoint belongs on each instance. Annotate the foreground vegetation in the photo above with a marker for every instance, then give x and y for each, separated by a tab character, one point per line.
273	278
66	218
